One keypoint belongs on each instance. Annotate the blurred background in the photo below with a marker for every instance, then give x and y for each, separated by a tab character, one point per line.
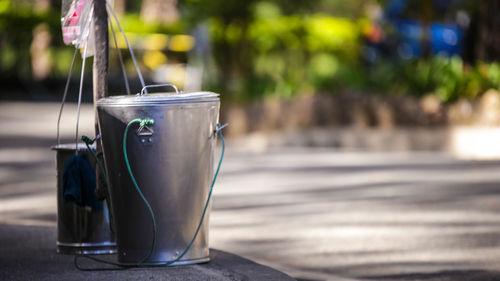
284	64
363	134
262	50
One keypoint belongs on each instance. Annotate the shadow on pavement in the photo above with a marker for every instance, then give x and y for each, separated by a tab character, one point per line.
453	275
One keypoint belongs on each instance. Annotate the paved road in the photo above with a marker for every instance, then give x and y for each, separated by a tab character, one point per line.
317	214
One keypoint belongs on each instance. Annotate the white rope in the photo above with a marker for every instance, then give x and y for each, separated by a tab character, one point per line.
124	72
110	9
65	95
80	90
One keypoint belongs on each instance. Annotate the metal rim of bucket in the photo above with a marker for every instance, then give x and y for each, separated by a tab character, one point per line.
65	244
158	98
101	248
71	147
88	249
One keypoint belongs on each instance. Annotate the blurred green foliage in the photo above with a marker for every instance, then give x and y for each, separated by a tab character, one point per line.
132	23
17	22
286	55
273	48
447	78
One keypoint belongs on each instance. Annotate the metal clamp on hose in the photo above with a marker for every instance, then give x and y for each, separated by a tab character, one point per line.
220	127
144	128
144	90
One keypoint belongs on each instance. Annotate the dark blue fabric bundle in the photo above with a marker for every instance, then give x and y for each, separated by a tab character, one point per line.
79	183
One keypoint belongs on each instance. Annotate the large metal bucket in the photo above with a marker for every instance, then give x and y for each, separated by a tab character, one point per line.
80	229
172	162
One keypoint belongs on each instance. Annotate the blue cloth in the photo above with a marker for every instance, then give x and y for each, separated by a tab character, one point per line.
79	183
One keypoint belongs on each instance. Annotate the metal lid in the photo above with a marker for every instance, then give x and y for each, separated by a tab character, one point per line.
71	147
159	98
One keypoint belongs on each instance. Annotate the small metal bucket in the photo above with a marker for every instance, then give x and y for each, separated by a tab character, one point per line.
80	230
172	162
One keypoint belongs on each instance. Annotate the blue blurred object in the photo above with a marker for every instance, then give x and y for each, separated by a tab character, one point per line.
411	35
446	39
395	8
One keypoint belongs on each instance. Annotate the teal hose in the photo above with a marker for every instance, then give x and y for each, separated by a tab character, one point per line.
121	266
88	141
143	122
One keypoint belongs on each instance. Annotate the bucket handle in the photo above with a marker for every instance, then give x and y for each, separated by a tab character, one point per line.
144	92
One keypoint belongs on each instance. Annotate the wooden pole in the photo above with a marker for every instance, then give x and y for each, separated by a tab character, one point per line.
100	69
100	76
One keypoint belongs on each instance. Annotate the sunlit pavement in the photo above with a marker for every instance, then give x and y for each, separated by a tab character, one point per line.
315	214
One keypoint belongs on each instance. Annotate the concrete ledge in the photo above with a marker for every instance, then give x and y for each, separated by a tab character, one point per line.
29	253
373	139
464	142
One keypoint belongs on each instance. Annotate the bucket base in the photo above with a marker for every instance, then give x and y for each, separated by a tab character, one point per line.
187	262
86	248
181	262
